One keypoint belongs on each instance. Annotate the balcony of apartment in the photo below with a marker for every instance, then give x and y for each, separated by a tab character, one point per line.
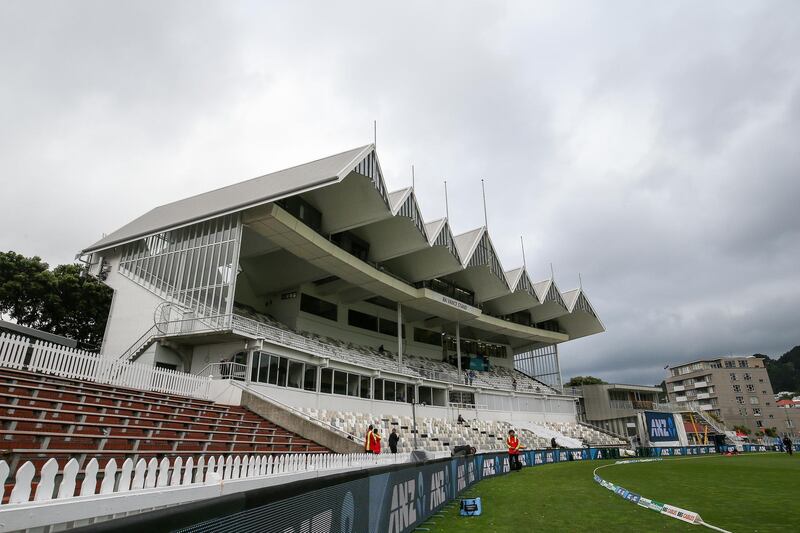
681	398
678	388
700	384
702	396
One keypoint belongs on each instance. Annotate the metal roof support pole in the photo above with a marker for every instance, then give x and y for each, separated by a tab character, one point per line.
399	333
458	346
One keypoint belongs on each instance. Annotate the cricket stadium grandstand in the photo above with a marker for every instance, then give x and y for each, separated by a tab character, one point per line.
257	330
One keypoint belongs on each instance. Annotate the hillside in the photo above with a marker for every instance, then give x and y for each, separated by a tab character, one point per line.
784	372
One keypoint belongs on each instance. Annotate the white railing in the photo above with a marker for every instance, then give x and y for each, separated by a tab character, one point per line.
48	358
224	370
131	488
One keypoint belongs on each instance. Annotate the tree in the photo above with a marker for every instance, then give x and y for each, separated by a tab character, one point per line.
64	301
771	432
742	429
578	381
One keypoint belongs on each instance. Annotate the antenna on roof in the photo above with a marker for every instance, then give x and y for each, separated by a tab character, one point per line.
446	206
413	178
522	243
375	132
485	218
552	276
580	281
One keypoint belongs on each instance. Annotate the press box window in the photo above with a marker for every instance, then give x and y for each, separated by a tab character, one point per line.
315	306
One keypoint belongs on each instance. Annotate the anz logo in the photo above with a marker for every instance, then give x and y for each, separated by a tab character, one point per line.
488	467
538	459
405	500
465	475
438	489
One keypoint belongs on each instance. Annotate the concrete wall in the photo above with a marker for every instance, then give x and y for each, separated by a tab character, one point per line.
131	314
296	424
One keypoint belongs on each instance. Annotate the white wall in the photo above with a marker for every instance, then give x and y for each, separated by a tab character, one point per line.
131	315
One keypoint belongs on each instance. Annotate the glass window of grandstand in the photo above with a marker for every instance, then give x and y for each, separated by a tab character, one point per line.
283	372
433	396
361	320
303	211
344	383
315	306
394	391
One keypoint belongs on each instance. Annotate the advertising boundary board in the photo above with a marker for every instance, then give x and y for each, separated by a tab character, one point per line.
392	499
681	451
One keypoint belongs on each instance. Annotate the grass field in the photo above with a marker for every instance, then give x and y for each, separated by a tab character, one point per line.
758	492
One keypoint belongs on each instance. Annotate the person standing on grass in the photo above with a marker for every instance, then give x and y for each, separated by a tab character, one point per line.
376	441
514	446
787	443
393	439
368	440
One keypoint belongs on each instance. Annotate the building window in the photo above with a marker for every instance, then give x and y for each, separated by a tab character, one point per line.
733	376
315	306
730	364
789	423
427	337
759	423
756	411
362	320
743	363
753	400
747	377
284	372
742	411
740	400
751	388
737	388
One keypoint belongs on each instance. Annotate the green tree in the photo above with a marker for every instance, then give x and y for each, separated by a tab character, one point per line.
577	381
742	429
64	301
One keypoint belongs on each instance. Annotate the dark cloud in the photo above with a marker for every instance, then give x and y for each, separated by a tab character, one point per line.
652	148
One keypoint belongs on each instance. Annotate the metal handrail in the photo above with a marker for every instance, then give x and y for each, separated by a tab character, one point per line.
225	370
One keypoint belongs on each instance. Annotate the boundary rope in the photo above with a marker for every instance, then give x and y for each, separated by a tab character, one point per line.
662	508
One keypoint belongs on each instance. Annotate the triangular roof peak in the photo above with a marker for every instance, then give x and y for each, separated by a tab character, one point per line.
255	191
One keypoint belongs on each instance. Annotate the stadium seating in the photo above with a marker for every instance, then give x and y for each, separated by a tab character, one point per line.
438	434
497	377
46	416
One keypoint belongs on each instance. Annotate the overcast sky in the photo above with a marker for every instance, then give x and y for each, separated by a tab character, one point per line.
654	147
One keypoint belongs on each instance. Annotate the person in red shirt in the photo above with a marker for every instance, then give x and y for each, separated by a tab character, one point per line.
376	441
368	445
514	446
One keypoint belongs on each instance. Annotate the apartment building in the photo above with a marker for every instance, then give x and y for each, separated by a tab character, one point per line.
736	390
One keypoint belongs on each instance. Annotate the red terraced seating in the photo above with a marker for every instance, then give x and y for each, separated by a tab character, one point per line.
44	416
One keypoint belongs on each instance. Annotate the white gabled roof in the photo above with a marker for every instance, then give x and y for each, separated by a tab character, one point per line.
242	195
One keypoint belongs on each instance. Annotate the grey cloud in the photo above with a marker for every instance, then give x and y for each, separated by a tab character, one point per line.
650	148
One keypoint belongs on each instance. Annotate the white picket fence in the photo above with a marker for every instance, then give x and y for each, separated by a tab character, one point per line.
72	363
57	484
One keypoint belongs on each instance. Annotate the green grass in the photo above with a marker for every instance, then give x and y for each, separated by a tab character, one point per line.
745	493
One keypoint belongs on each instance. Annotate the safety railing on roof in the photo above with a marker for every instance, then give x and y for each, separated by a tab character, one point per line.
18	353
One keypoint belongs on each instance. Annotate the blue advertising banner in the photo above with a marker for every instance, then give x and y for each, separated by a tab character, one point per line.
661	427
